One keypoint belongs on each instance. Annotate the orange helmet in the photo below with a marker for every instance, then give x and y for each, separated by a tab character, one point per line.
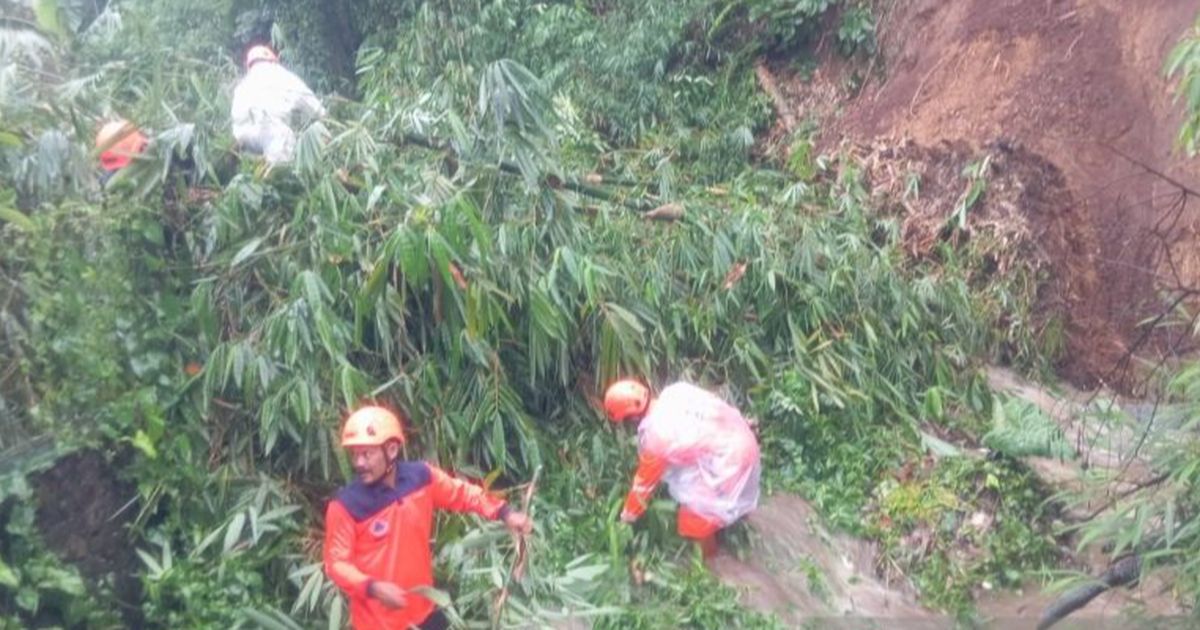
260	53
626	398
118	141
371	426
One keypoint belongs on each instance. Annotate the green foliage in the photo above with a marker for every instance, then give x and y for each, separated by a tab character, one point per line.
962	525
94	317
779	26
976	176
36	589
1184	63
1159	518
832	459
235	566
1020	429
857	31
667	78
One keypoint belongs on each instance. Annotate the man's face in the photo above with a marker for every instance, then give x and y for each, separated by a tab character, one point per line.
371	462
636	418
633	420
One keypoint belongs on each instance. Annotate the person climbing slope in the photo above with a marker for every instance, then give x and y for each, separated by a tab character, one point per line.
700	445
266	103
378	528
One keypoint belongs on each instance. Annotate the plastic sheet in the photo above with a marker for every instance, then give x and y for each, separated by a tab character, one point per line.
712	456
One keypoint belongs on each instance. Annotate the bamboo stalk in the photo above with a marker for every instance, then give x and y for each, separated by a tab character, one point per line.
573	184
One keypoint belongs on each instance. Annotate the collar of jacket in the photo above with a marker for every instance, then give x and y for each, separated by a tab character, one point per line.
363	501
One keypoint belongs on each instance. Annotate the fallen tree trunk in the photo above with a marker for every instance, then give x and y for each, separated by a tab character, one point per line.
1123	572
766	81
550	181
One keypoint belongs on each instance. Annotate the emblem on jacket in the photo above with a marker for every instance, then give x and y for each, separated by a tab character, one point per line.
379	528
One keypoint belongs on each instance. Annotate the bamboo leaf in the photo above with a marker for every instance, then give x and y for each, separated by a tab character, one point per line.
151	563
46	12
440	598
271	619
8	577
233	531
337	612
206	542
246	251
17	218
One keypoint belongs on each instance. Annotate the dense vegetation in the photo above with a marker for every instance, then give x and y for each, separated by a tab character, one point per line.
464	238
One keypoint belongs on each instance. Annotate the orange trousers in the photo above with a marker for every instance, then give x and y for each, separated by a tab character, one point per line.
694	525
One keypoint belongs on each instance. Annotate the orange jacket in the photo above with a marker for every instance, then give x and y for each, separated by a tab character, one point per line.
380	533
649	473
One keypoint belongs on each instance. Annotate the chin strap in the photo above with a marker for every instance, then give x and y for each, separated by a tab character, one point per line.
391	467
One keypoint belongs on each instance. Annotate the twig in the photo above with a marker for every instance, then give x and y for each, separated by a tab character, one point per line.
226	404
127	505
1154	481
518	570
518	567
920	86
1153	171
1071	48
1184	292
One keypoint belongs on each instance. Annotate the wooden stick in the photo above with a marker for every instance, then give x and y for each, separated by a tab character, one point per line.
518	570
766	81
518	567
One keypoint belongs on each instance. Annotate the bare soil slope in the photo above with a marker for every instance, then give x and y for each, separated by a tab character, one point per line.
1079	83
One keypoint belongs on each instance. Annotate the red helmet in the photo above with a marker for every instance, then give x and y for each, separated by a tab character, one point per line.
371	426
260	53
626	398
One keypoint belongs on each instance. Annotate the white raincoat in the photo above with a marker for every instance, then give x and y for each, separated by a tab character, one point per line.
265	103
711	456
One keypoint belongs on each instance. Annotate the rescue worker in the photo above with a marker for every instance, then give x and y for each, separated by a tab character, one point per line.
700	445
118	142
378	528
266	102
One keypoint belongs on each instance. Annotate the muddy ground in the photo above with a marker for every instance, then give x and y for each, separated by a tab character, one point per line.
83	514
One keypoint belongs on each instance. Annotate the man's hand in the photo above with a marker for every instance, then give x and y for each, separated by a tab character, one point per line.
518	523
627	516
388	594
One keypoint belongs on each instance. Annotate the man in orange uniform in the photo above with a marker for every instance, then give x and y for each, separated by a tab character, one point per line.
118	142
700	445
377	529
